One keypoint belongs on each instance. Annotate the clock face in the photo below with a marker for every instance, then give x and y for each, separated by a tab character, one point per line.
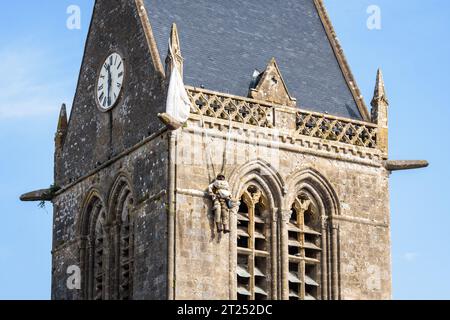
110	81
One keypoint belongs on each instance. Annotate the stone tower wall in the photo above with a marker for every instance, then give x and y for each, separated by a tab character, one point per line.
146	170
273	147
204	260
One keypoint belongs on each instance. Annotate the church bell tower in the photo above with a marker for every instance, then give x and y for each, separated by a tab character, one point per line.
274	187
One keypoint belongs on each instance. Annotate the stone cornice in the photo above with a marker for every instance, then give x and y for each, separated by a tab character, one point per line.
284	140
125	153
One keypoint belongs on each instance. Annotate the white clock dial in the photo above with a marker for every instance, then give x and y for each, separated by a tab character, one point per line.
110	81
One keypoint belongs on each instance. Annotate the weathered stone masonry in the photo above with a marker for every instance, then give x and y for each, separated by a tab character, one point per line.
130	195
99	148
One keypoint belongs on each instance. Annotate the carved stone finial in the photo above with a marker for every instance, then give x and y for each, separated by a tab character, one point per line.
380	104
271	87
379	95
174	56
60	137
61	130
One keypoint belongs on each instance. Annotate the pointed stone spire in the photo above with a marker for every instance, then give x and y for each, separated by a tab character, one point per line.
380	104
61	131
175	56
60	137
379	95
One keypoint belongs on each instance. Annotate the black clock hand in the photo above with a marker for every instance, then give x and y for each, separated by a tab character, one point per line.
109	85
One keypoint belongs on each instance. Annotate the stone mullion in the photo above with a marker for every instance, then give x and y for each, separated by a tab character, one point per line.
131	258
302	273
334	261
284	244
302	276
90	281
324	262
251	215
233	255
107	249
273	254
116	260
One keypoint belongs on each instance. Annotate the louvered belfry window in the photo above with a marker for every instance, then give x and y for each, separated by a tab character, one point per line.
304	250
107	251
99	258
126	258
253	247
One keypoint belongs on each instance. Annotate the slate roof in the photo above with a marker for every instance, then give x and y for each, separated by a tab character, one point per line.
224	41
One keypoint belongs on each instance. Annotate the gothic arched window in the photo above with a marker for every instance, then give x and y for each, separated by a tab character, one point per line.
126	257
304	249
253	247
94	250
99	257
123	228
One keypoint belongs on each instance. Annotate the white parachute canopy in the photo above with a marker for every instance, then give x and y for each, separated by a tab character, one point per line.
178	105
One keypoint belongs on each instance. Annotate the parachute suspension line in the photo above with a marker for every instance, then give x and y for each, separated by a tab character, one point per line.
225	153
206	146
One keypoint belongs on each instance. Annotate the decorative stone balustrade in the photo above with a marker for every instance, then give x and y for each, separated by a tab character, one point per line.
247	111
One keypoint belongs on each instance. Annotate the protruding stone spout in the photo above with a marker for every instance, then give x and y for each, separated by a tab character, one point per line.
38	195
399	165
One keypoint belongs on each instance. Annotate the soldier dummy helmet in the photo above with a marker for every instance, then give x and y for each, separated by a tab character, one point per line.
220	177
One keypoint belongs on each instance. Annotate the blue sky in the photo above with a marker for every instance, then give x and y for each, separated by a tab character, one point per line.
40	60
